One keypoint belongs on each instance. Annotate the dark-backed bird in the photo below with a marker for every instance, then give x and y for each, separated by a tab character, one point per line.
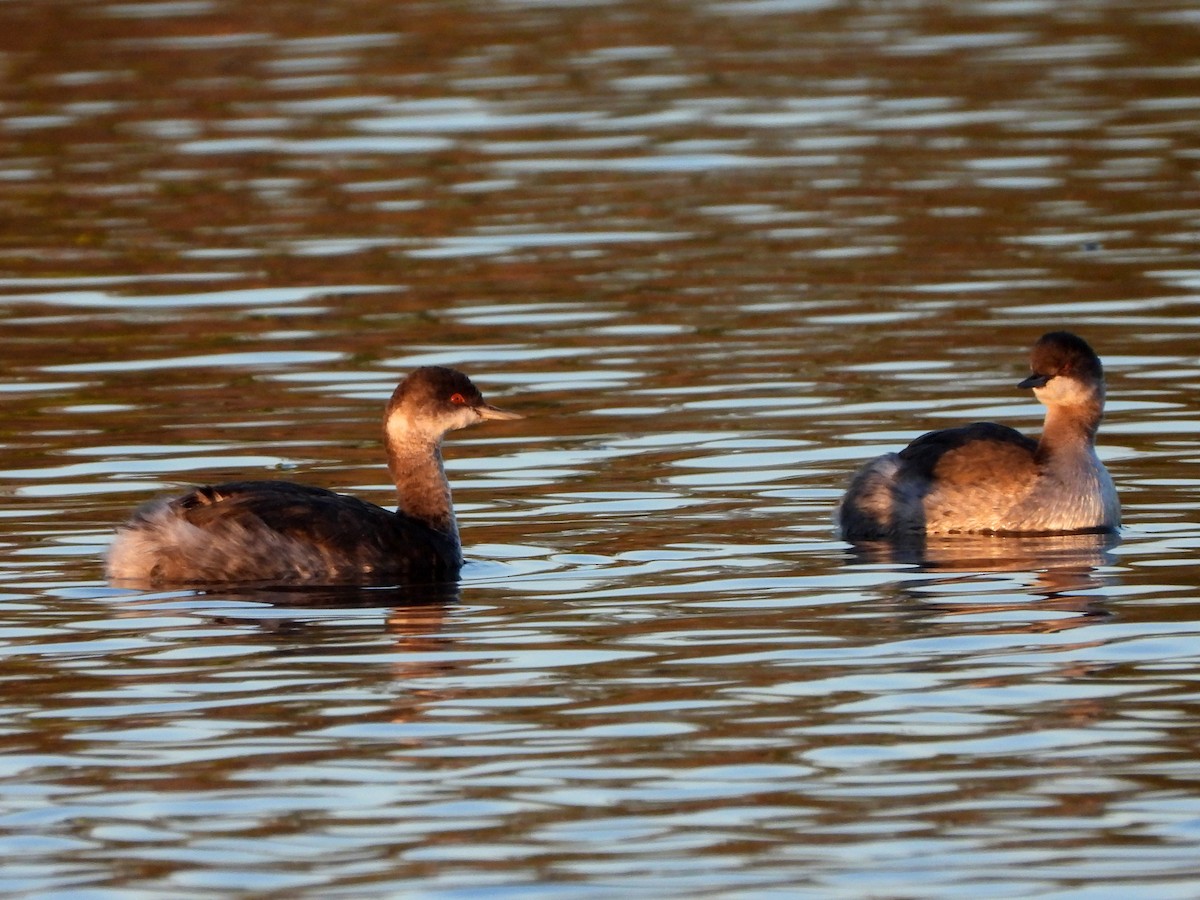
278	532
989	478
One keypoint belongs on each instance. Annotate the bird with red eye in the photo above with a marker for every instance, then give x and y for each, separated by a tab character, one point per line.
277	532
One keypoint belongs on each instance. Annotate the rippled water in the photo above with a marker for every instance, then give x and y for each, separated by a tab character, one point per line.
718	253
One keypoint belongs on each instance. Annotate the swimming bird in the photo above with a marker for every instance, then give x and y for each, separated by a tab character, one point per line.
989	478
280	532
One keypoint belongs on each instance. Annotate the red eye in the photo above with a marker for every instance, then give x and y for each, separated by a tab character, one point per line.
458	398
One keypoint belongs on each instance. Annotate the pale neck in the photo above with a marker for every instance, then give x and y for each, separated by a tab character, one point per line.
415	462
1070	430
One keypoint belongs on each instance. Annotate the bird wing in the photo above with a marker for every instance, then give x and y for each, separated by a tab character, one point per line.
340	526
972	453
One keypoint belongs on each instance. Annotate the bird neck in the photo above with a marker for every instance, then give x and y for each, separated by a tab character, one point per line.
1069	431
415	463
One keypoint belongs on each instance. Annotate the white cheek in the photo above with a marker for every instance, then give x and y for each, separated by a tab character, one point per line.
396	428
464	417
1064	391
402	431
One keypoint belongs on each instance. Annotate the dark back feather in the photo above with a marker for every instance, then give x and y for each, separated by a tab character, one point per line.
340	527
990	445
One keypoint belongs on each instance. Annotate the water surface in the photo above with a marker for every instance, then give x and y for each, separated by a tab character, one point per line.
718	253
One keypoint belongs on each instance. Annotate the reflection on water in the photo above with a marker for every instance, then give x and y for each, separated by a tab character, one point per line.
727	250
1056	581
994	553
337	596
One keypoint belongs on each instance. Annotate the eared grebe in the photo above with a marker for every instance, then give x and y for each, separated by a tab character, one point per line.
279	532
990	478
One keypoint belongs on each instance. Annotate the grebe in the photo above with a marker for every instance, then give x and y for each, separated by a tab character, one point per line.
988	478
279	532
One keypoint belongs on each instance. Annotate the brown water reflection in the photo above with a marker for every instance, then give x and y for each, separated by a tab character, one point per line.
725	251
995	553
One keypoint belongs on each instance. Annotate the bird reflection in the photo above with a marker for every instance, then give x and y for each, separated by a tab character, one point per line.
349	596
415	618
1063	570
418	609
993	553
